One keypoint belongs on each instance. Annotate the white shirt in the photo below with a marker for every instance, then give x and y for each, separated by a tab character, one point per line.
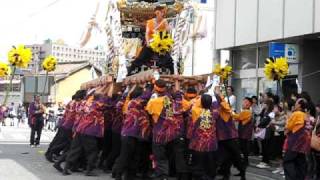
233	101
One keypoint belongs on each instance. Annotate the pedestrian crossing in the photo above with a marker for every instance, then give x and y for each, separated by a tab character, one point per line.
11	170
21	135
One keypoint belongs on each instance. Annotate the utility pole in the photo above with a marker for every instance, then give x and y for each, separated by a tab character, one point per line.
36	71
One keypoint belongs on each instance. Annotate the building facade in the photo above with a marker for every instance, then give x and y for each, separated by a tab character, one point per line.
15	94
66	54
250	29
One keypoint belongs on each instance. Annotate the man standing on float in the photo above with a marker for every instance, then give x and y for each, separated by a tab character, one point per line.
154	25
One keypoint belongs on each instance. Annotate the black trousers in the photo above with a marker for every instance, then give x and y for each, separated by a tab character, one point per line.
230	155
266	150
126	161
145	57
143	151
35	129
56	138
86	144
317	164
107	146
61	143
204	164
175	150
244	147
277	144
294	165
115	150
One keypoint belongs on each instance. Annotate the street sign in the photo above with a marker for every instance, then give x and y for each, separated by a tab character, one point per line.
276	49
292	53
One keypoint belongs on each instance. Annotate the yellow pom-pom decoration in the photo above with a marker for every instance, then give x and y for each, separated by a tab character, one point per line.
222	72
162	42
276	69
5	69
20	56
49	63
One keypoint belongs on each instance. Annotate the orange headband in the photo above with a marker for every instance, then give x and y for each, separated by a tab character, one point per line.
159	89
191	95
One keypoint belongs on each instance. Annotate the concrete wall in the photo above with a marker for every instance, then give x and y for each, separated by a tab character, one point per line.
246	21
242	22
270	25
311	64
298	17
317	16
225	24
67	87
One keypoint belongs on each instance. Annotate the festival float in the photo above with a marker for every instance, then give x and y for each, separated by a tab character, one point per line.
125	30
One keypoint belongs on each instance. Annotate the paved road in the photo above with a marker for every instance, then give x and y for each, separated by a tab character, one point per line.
20	162
21	134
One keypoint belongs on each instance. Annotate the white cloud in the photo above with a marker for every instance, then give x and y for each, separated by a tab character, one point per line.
31	21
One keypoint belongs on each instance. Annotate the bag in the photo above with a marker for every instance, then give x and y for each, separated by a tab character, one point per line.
260	134
264	122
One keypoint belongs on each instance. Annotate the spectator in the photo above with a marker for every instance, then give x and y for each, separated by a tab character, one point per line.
12	113
278	124
35	121
20	114
232	98
256	110
266	116
51	123
60	111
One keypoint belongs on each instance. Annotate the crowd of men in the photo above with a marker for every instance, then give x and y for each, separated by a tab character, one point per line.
157	129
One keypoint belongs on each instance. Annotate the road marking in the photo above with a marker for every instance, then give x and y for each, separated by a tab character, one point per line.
20	143
11	170
260	176
41	152
19	137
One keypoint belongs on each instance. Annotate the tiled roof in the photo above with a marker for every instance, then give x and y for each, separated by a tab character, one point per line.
63	70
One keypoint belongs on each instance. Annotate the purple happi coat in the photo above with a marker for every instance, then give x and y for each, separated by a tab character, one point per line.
119	114
68	118
136	122
299	141
202	132
92	120
225	129
246	131
170	124
34	116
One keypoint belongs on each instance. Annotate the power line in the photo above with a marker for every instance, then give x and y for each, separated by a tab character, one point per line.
44	8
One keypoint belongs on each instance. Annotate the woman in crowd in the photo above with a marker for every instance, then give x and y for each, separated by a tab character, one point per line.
265	118
278	124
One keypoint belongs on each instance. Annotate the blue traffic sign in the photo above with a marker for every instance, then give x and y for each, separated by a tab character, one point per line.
276	49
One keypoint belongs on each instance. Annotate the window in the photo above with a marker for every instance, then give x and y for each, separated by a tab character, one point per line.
16	87
263	55
244	59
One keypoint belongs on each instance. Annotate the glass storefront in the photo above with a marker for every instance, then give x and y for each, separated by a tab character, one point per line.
244	59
